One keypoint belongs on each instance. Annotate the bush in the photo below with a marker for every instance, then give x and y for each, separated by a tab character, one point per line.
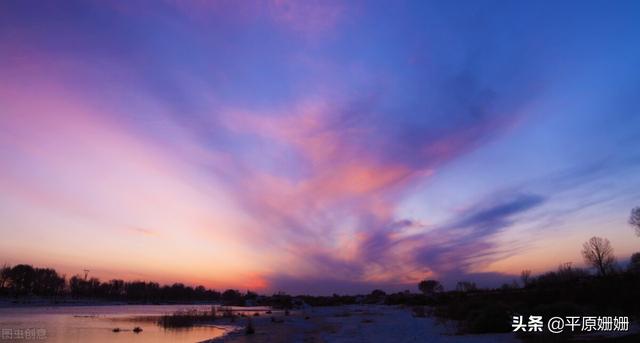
186	318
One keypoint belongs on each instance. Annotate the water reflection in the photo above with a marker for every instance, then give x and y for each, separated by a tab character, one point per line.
96	324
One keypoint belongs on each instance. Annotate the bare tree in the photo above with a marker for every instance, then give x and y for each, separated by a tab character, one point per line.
634	219
598	253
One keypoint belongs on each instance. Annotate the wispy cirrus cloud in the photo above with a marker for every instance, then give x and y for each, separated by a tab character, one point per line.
399	254
335	211
254	135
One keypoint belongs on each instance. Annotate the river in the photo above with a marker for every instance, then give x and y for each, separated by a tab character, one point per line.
96	324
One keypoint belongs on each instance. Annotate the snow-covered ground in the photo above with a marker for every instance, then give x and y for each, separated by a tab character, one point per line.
351	324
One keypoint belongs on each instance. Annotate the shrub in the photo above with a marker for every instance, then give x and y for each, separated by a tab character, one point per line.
186	318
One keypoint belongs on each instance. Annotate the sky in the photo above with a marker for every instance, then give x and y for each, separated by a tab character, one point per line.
317	147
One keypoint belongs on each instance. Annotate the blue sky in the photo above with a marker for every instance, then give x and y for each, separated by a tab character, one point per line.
313	146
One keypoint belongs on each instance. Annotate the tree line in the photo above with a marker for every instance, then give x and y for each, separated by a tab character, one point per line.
607	288
24	280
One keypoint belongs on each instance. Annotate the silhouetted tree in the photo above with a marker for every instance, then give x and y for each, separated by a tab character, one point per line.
250	295
598	253
376	296
115	289
136	290
200	293
634	263
178	291
232	297
47	282
153	292
25	280
509	285
466	286
75	286
634	219
525	277
283	300
81	287
430	287
567	273
378	293
92	286
22	279
4	276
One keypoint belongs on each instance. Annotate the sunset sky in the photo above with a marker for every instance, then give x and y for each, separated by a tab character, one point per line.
316	146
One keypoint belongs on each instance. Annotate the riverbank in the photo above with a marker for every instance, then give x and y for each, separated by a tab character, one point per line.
355	323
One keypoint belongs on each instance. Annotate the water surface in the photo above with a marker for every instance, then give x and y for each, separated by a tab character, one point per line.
96	324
